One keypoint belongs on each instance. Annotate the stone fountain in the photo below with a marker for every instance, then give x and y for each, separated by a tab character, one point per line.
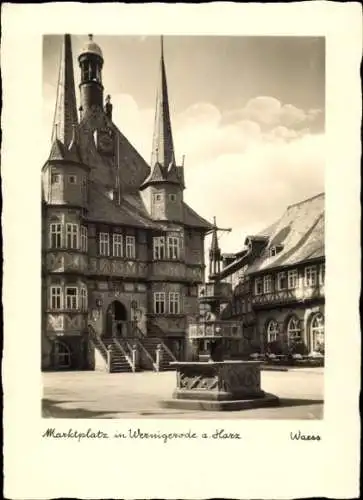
214	381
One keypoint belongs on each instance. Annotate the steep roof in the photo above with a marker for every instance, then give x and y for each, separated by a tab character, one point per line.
163	167
65	115
163	145
192	219
300	232
103	209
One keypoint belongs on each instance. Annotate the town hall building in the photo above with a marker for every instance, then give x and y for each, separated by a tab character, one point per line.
122	253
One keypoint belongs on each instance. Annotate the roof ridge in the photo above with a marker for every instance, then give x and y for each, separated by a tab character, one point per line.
306	200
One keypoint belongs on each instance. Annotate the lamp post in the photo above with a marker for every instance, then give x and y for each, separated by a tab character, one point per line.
97	310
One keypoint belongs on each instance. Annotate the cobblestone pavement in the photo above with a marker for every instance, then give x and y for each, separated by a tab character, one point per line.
128	395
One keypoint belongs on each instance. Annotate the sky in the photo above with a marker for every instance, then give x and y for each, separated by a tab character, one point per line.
248	113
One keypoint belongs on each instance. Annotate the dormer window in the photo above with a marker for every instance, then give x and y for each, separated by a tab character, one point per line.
275	250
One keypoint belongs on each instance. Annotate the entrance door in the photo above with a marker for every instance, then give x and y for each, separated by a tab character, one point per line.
116	318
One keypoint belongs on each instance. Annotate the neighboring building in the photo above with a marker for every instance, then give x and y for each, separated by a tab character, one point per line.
278	281
123	253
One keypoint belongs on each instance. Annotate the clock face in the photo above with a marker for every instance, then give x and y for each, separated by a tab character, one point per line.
105	140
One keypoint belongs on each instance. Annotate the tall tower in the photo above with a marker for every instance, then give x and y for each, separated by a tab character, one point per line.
64	174
91	62
65	240
163	189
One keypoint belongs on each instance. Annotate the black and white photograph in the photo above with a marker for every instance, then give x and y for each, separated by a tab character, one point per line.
180	222
183	236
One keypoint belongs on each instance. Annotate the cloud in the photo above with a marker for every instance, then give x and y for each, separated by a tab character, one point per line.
269	112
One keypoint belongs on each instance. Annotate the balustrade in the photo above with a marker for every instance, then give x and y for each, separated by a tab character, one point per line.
215	329
218	290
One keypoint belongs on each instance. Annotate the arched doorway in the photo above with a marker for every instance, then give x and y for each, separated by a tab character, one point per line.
116	317
62	357
317	328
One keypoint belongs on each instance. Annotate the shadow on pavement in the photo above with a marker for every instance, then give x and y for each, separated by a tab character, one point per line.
50	409
286	402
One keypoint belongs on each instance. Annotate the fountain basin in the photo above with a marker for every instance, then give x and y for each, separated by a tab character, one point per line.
219	385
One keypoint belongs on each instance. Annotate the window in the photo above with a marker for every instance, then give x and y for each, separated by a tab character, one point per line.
322	274
104	244
293	330
55	297
130	247
71	297
72	179
174	303
317	332
272	331
158	197
55	179
72	236
258	286
281	281
172	197
55	235
84	239
159	248
84	301
62	355
292	279
117	245
159	303
275	250
86	71
173	247
267	284
310	276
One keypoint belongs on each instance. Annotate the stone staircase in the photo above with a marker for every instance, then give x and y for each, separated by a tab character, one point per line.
115	358
117	355
151	344
118	361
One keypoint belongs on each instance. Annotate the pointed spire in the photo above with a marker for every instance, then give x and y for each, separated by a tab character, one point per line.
214	252
163	146
65	116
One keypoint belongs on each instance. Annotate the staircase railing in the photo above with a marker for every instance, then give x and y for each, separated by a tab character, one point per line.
166	348
145	351
100	346
124	353
139	334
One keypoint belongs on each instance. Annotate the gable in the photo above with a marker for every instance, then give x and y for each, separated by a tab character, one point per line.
132	167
